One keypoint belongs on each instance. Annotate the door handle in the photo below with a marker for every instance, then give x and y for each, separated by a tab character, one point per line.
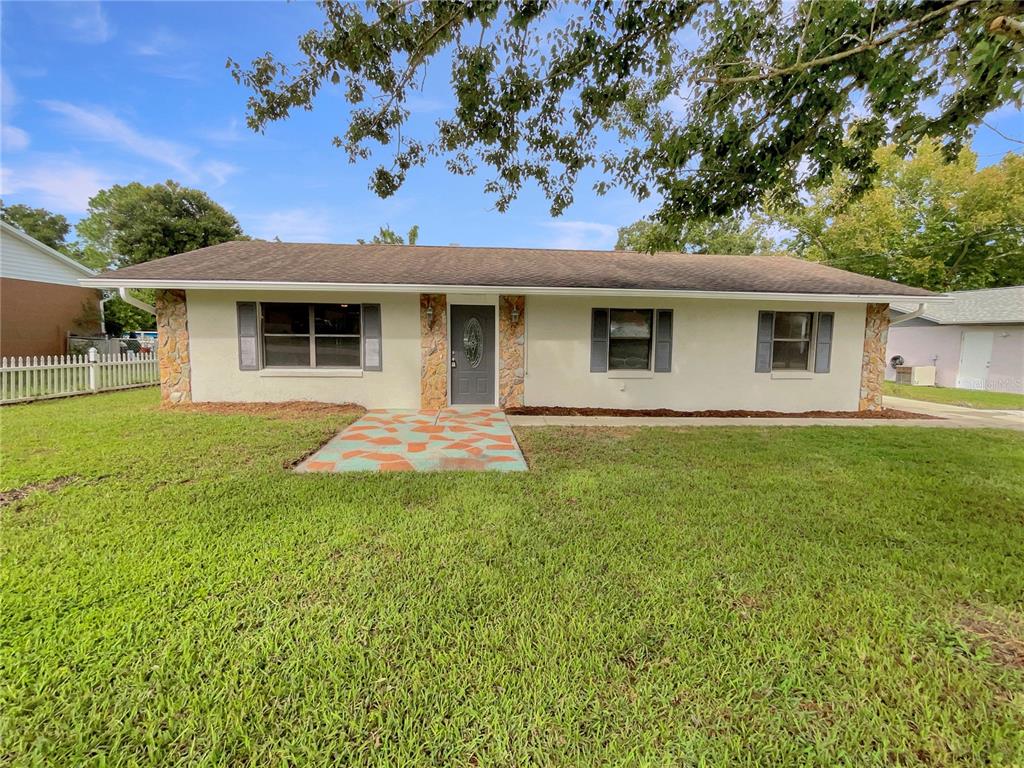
453	360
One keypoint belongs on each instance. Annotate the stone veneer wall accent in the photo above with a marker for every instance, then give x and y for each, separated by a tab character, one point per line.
172	348
872	369
511	351
434	351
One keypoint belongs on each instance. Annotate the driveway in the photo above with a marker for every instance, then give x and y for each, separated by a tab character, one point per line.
462	438
960	416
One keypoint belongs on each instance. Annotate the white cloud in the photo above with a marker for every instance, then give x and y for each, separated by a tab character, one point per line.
227	134
86	22
219	171
57	182
8	94
581	235
12	139
161	43
101	125
295	225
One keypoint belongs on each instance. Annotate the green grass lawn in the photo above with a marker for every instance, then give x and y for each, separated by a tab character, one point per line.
741	596
970	398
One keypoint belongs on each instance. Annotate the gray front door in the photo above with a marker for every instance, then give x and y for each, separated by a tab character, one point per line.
472	345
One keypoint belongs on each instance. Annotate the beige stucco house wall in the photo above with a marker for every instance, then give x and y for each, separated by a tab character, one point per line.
713	351
213	347
712	359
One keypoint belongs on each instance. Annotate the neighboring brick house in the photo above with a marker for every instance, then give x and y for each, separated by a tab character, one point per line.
392	326
41	300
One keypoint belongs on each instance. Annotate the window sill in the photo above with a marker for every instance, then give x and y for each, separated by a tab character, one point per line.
630	374
313	373
784	375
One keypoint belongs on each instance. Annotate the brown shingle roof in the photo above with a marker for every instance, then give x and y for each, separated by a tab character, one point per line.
262	261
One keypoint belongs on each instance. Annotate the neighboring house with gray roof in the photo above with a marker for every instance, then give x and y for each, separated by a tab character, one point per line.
976	341
391	326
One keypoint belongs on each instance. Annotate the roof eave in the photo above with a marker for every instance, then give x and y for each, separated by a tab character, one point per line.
12	230
252	285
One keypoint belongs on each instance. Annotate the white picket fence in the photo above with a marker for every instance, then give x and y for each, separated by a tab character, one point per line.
36	378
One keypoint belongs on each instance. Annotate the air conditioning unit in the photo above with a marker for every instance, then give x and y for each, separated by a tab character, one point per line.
917	375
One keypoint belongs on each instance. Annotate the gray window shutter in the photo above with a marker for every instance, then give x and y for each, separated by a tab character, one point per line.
663	341
823	346
248	336
599	340
372	352
765	329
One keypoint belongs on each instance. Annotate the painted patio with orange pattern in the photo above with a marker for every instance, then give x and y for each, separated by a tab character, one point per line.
469	438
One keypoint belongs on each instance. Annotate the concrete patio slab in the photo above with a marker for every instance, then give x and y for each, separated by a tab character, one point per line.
460	438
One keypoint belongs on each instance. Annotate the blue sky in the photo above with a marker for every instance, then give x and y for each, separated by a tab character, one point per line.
101	93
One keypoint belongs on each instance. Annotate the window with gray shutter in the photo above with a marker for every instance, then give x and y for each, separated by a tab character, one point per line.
599	340
372	353
248	336
823	345
663	342
765	331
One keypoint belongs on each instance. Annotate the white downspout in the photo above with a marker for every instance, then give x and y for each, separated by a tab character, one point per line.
129	299
903	318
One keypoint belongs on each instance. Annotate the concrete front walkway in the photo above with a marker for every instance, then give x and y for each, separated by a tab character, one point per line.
466	438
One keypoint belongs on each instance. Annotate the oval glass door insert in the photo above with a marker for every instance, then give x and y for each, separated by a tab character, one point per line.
473	342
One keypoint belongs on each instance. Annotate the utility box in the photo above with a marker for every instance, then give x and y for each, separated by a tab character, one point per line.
916	375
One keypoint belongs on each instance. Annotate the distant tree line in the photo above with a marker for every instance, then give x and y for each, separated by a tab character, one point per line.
925	222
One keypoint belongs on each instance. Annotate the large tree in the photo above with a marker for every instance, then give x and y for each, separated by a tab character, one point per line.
45	226
134	223
726	235
716	104
929	223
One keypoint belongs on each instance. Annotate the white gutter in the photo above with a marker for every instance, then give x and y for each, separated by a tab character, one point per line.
910	315
253	285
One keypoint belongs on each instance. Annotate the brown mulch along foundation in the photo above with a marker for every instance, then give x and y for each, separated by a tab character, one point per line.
292	409
557	410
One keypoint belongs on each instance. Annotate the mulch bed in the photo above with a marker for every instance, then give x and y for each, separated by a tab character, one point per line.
557	410
291	409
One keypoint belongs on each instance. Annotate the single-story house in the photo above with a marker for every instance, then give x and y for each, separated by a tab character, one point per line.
975	341
41	300
427	326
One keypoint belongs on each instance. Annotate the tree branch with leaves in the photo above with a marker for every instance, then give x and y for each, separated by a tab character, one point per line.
711	107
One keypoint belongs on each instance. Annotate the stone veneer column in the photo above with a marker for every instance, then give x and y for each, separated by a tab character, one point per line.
872	368
172	347
434	351
511	351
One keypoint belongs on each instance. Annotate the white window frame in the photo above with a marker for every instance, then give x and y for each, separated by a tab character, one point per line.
812	340
613	372
313	336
